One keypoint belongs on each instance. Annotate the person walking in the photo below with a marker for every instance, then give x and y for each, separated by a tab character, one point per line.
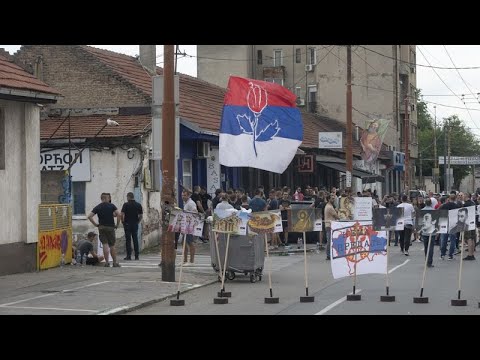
406	233
191	206
131	215
105	212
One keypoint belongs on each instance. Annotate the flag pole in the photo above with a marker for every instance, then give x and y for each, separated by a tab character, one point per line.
222	295
458	301
387	297
178	301
271	299
422	299
353	296
306	298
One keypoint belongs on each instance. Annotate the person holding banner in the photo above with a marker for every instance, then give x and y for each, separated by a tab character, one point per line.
406	233
427	231
329	216
188	205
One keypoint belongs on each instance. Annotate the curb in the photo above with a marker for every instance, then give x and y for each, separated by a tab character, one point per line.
129	308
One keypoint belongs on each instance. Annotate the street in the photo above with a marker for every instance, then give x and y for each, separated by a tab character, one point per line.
288	284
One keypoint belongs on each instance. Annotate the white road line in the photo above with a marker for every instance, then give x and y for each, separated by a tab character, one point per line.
398	266
114	310
47	308
339	301
51	294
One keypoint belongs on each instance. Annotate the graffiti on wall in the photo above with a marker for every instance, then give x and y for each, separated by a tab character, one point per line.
52	244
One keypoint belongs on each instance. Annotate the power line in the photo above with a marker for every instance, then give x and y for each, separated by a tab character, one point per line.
450	106
468	110
422	65
461	77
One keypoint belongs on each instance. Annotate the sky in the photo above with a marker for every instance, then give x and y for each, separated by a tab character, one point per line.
429	80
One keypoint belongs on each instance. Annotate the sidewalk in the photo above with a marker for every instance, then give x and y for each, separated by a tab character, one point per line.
95	290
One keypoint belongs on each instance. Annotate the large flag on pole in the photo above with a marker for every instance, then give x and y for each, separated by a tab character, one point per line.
261	126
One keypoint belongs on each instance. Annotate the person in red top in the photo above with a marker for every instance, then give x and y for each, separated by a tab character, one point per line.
298	196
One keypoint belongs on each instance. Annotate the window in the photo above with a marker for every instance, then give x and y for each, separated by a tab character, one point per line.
187	173
78	197
413	60
277	57
298	55
259	57
278	81
2	140
298	91
312	56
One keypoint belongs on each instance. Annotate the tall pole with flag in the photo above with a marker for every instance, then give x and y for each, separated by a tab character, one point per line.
349	159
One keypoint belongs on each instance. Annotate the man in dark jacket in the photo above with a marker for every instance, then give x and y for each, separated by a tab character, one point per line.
132	214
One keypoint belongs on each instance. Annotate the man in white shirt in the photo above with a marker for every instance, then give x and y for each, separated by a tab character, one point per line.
434	201
188	205
406	233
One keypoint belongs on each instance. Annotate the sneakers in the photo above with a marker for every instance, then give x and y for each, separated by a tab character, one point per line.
430	265
450	257
442	257
136	258
107	264
127	258
406	253
328	258
469	257
116	265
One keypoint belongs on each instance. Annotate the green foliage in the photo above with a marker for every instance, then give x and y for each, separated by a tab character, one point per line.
462	142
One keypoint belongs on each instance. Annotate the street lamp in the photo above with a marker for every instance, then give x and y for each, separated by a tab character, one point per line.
109	122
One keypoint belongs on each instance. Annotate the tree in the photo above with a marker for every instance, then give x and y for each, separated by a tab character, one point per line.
462	142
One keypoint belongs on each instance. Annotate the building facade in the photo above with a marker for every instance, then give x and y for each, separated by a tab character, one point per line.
383	84
21	97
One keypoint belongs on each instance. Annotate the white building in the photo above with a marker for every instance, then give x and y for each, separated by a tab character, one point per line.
21	96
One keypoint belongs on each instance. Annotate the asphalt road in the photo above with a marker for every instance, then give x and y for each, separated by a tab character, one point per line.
288	283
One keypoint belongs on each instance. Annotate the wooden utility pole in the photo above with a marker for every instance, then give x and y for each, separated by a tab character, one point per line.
349	159
168	163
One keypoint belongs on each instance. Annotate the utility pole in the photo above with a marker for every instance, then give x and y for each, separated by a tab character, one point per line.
445	175
449	152
435	161
349	159
406	138
421	171
168	163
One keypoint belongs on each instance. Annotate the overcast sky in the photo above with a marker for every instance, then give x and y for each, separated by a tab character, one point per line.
427	81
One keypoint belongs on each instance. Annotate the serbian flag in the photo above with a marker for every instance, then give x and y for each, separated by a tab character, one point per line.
261	126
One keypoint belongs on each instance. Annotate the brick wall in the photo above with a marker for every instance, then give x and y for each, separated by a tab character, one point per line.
79	77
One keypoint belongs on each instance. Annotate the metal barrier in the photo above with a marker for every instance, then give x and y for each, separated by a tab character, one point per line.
54	235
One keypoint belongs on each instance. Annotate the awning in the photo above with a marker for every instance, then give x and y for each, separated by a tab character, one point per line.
367	178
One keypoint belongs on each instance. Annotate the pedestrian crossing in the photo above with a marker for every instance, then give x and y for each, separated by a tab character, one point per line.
203	263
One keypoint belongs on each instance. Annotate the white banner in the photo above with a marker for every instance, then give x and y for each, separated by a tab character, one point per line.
60	159
330	140
213	172
357	248
362	209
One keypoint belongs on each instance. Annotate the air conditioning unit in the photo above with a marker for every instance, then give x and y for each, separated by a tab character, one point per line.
203	149
309	68
300	102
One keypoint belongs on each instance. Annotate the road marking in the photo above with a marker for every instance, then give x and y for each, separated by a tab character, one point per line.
339	301
114	310
51	294
47	308
398	266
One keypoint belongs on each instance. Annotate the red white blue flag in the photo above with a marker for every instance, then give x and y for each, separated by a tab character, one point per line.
261	125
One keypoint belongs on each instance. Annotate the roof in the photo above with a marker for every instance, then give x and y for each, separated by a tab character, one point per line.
89	126
13	76
200	101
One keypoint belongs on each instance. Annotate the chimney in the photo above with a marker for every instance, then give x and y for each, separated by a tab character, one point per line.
148	58
38	69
